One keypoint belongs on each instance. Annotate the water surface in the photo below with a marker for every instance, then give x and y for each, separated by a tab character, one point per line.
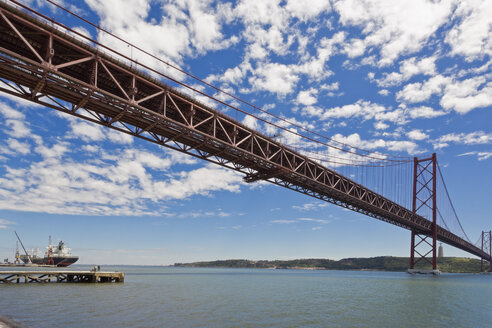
200	297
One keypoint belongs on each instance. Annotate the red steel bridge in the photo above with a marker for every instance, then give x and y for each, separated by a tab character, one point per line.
48	63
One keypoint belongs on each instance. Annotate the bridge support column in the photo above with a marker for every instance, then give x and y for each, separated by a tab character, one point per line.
424	243
487	248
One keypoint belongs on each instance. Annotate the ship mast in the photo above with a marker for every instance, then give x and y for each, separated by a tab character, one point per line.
17	255
50	253
28	257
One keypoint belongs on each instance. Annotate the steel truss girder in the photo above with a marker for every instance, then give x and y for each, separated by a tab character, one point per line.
105	91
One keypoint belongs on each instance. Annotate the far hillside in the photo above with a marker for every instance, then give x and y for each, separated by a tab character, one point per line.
381	263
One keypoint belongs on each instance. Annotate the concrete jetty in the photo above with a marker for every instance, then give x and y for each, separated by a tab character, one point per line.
13	265
7	277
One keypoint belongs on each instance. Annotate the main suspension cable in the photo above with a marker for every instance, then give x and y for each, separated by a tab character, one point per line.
451	203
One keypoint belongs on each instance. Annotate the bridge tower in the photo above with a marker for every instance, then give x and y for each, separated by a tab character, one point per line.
424	199
487	248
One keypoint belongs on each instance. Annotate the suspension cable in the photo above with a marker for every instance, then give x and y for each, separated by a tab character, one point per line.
451	203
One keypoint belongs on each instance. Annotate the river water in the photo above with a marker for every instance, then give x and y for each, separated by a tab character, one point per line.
201	297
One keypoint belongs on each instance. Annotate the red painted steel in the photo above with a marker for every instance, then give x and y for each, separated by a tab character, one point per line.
481	260
434	211
423	176
486	248
414	211
50	67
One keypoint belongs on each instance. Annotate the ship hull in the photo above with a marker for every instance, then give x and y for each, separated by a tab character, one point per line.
66	261
58	261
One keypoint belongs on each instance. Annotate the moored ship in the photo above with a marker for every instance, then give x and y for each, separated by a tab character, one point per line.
58	255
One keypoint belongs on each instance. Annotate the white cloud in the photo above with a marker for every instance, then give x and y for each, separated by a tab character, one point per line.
400	27
408	69
90	132
119	137
275	78
310	206
87	131
181	29
417	135
472	138
10	113
307	97
266	12
300	220
272	30
355	48
4	224
250	122
381	126
56	151
472	36
464	96
418	92
83	31
15	120
424	112
231	75
365	110
413	66
18	128
202	214
330	87
119	182
283	221
461	96
355	140
20	102
390	79
307	9
91	148
201	181
481	155
314	220
264	40
475	70
206	26
19	147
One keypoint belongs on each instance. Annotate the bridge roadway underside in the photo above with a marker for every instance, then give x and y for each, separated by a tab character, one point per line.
51	68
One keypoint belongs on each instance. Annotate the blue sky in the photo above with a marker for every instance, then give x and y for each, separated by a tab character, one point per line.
405	78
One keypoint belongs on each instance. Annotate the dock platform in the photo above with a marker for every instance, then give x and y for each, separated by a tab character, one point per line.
7	277
13	265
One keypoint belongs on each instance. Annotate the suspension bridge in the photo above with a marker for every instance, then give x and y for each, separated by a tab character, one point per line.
46	62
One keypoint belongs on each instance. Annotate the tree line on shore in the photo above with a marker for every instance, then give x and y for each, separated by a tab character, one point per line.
380	263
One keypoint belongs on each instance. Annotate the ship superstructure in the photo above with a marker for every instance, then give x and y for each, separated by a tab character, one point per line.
58	255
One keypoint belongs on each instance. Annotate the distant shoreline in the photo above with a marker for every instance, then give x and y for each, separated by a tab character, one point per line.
381	263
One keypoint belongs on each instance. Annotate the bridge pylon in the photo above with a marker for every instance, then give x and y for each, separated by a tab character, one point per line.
424	245
487	248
